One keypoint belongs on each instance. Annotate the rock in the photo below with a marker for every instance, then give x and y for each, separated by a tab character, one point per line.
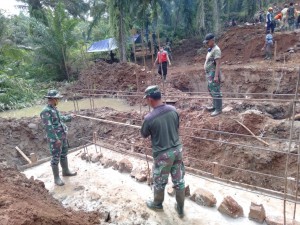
204	198
227	109
109	163
134	172
89	157
96	157
257	213
33	126
95	196
106	163
125	166
231	208
276	220
139	174
83	156
115	165
171	191
79	188
187	191
141	177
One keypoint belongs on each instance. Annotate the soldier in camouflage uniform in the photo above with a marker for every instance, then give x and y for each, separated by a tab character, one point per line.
213	74
56	131
162	125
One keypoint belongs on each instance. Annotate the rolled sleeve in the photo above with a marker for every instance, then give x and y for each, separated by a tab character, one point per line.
145	130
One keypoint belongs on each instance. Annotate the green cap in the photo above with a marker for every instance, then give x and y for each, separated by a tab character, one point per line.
152	91
53	94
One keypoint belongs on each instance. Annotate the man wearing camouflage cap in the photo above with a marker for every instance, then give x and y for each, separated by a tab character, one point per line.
56	131
162	125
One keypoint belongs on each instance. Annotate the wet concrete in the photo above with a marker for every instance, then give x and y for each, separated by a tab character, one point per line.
107	190
68	106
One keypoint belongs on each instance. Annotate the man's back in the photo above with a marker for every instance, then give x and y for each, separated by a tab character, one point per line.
291	12
162	124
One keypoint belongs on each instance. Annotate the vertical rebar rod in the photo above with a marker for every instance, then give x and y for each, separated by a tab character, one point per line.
161	70
297	182
152	57
289	147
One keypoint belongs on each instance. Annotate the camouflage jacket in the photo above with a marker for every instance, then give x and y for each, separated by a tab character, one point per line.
53	122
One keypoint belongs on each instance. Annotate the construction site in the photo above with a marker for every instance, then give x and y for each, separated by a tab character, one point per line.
242	167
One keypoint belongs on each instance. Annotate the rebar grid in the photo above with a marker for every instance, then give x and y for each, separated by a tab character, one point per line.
91	93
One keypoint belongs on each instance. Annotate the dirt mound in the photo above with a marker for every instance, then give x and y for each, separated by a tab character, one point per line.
27	202
117	76
244	44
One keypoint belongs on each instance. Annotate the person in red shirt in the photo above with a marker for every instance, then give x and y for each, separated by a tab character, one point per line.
162	59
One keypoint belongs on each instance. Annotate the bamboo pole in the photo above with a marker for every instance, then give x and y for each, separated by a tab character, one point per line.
22	154
258	138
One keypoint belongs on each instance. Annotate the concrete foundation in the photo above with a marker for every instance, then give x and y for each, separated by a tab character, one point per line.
107	190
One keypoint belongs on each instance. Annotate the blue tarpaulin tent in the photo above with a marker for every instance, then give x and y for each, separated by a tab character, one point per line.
111	44
103	46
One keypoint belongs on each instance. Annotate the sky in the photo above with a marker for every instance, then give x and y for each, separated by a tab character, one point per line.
9	6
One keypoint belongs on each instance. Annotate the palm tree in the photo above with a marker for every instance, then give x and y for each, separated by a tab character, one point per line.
54	41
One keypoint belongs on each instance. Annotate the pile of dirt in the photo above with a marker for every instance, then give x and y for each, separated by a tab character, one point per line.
244	43
26	202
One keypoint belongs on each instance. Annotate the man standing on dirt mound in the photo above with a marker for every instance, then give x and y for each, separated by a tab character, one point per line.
162	59
56	131
162	125
212	69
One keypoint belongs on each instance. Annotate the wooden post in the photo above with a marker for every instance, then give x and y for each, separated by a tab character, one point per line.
216	169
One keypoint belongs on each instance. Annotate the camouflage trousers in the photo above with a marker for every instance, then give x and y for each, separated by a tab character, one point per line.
213	87
167	162
58	152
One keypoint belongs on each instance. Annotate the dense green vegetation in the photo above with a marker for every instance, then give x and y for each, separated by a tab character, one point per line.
48	41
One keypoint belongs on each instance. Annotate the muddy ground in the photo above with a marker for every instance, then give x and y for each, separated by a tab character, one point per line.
245	72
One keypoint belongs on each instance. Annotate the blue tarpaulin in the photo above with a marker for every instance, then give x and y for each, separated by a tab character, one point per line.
111	44
103	46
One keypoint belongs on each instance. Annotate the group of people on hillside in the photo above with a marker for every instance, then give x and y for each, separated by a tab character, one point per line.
286	19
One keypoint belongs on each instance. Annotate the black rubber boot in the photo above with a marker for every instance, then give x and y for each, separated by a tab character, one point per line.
180	196
156	204
65	168
218	109
213	107
57	179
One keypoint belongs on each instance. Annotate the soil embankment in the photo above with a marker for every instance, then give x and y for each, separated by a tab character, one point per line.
27	202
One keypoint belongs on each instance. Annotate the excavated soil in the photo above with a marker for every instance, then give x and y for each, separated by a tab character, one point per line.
27	202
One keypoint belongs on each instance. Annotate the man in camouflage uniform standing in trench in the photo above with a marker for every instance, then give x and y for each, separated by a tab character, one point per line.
162	125
56	131
213	74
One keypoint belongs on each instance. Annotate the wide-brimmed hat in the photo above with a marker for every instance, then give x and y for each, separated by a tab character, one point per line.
208	37
152	91
53	94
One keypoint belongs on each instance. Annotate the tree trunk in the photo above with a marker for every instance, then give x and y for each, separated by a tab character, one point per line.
201	17
216	17
122	36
